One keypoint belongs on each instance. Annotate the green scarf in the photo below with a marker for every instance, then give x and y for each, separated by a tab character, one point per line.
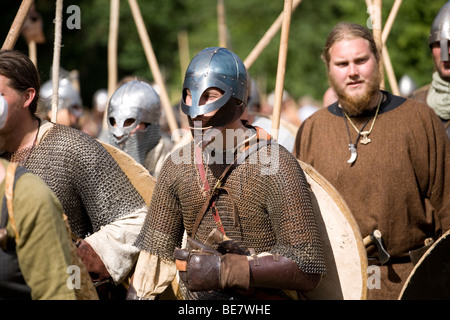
439	97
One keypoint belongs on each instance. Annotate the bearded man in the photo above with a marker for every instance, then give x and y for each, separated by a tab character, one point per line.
242	198
387	156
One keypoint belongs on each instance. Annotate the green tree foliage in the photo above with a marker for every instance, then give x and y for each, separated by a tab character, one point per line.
247	21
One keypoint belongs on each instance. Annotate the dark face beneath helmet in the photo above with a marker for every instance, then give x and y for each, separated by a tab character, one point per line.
440	31
221	69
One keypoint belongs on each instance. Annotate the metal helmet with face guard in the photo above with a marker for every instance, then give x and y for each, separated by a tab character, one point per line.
440	31
216	68
132	104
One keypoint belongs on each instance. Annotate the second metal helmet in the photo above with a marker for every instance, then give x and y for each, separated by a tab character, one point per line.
133	100
440	30
68	96
133	103
214	67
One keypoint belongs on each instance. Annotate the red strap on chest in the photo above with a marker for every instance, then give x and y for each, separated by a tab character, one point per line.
261	135
201	170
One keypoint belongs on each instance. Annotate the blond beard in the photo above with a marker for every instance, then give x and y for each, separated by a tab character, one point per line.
359	104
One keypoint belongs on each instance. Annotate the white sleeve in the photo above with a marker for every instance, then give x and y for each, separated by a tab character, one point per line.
114	243
153	275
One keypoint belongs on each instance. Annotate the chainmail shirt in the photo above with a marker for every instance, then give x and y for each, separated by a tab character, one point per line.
275	213
88	182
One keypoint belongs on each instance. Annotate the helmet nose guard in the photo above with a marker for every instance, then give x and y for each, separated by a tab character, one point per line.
133	100
440	30
214	68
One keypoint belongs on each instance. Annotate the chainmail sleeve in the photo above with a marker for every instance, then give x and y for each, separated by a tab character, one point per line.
289	207
89	183
163	228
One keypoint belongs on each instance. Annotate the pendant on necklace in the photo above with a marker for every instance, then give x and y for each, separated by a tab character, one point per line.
353	153
365	139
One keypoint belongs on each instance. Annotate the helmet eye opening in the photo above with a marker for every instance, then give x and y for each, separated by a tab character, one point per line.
129	122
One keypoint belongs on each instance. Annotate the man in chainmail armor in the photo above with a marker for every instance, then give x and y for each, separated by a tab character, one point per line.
242	199
134	111
104	210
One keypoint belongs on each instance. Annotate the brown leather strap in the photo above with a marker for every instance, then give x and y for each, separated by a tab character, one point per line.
212	194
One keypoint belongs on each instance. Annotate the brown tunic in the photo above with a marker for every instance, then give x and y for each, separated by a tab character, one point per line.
399	183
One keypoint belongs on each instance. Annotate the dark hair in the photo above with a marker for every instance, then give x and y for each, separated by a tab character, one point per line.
347	30
22	74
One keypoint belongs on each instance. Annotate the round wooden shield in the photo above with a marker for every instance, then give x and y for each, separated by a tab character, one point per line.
139	176
430	277
345	254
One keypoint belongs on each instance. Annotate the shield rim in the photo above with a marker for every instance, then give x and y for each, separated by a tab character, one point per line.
345	211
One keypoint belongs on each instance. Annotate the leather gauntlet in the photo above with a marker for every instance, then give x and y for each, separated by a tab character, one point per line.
279	272
203	268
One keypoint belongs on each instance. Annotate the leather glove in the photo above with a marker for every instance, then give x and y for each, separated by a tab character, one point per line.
203	268
92	261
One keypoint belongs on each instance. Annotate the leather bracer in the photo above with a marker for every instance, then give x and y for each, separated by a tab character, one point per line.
279	272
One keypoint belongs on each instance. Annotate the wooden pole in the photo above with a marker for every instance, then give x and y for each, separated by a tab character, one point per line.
32	31
112	53
183	51
56	59
390	72
222	26
387	65
390	20
145	39
32	52
377	27
17	24
265	40
282	56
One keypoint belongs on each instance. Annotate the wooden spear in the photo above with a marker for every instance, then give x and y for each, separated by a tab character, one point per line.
282	56
387	65
265	40
222	26
56	59
32	31
390	72
112	53
183	51
16	27
145	39
377	27
390	20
